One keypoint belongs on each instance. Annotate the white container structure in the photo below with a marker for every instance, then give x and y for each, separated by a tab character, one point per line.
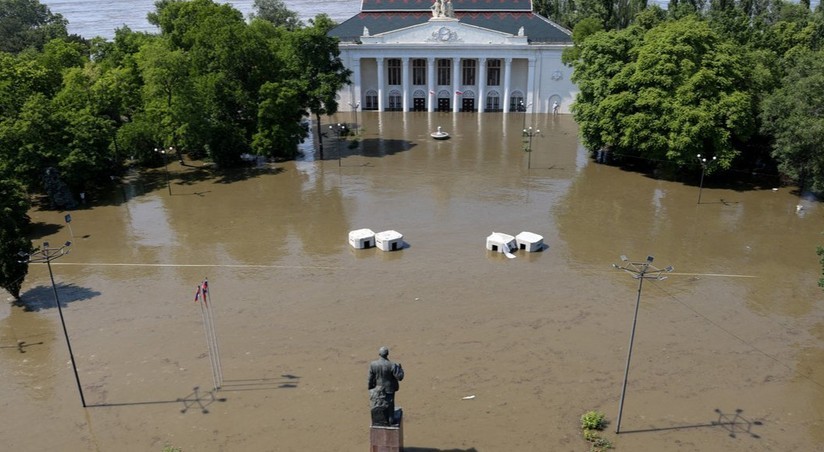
502	243
362	238
529	241
389	240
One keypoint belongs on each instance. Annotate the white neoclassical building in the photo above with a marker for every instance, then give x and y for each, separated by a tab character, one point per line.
458	55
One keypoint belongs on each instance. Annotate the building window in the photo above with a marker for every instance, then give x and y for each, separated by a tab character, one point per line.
468	72
493	73
371	100
419	71
393	66
444	72
395	102
516	102
493	101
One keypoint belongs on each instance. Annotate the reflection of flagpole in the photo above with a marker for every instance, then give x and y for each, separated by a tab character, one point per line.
207	299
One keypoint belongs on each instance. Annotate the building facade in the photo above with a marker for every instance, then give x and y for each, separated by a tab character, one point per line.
454	55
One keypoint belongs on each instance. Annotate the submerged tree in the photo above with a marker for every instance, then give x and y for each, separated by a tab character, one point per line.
666	95
14	220
794	115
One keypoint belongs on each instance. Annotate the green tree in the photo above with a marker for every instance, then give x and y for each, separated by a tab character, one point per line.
14	220
276	12
794	115
582	30
313	58
668	94
28	24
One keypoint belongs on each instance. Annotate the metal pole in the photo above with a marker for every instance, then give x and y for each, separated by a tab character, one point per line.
208	296
629	355
637	270
63	323
703	162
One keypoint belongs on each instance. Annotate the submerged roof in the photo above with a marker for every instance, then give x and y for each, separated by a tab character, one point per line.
457	5
536	27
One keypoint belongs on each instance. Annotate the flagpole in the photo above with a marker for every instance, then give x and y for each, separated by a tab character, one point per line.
208	296
208	341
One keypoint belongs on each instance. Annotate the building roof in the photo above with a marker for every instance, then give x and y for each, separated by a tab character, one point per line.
537	28
457	5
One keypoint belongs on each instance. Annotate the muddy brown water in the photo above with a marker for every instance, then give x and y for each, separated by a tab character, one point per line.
734	335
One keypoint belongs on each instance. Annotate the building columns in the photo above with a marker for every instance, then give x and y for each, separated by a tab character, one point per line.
456	67
430	81
507	80
381	82
530	84
481	85
405	83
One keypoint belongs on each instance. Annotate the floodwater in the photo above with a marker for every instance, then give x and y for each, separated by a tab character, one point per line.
728	352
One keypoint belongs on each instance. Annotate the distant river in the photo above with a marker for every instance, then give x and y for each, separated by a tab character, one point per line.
90	18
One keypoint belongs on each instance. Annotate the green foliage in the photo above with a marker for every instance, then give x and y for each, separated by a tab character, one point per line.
793	115
28	24
582	30
665	94
820	252
592	420
14	221
276	12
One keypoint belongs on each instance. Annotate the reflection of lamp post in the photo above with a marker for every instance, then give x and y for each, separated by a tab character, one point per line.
703	162
355	107
47	255
166	168
528	134
639	271
339	129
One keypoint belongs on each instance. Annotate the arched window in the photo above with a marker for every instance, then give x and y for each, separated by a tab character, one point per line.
493	101
371	99
395	101
516	101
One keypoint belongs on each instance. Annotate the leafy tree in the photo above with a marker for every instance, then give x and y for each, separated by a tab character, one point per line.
313	58
794	116
14	220
28	24
276	12
668	94
582	30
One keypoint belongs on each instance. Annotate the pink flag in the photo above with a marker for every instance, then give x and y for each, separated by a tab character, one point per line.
459	93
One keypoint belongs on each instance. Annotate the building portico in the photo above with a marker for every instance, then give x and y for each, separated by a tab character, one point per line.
468	62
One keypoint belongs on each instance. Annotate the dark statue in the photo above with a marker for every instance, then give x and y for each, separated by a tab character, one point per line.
384	376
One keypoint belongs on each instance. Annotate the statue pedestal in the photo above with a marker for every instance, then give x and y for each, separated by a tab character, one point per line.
387	439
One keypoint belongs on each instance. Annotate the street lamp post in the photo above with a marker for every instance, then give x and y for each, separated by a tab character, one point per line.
339	129
355	107
48	254
166	168
528	134
524	108
704	163
639	271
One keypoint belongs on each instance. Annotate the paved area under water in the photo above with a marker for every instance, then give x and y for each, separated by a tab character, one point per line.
728	353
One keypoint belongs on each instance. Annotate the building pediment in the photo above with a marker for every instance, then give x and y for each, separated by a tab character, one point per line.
443	31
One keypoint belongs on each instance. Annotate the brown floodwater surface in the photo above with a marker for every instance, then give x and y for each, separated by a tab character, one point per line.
727	354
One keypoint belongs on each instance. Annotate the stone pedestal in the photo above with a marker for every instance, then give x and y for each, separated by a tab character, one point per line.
387	439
